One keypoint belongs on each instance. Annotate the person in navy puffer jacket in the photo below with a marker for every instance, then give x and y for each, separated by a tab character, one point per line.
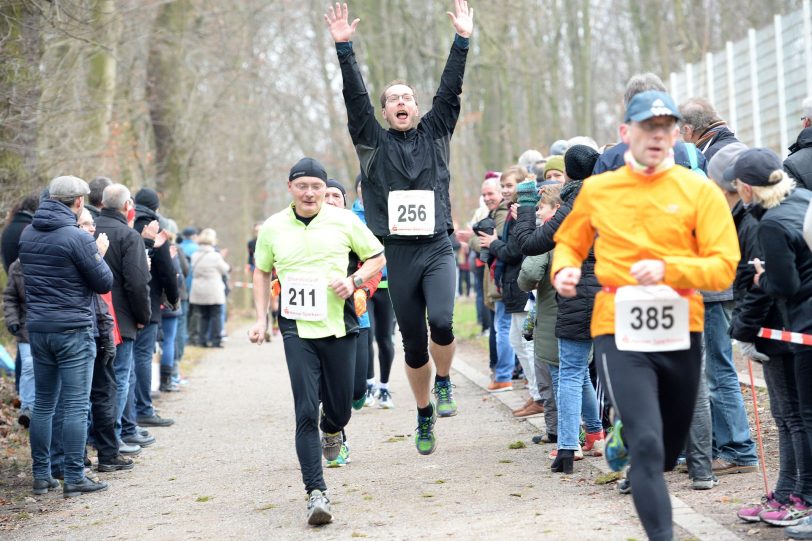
62	270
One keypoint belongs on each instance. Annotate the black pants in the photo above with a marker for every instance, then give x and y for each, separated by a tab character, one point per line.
103	407
321	368
362	360
422	277
211	324
464	283
382	325
654	395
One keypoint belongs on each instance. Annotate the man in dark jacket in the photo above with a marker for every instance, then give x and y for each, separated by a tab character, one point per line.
407	204
798	164
128	261
702	126
62	271
22	216
163	284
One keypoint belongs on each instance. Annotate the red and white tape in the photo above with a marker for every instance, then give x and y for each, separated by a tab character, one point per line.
249	285
786	336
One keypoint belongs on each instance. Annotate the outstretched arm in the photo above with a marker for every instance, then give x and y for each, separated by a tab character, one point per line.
338	22
462	18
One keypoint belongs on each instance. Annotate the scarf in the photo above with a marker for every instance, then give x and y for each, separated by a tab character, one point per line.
709	133
634	165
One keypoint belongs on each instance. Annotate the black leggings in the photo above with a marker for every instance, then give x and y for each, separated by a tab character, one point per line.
362	359
382	325
422	280
654	395
321	368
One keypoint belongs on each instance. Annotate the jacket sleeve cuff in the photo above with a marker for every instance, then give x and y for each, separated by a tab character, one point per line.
461	42
343	48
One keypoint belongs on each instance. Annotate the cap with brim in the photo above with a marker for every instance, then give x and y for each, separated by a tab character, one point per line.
66	187
754	166
649	104
724	158
308	167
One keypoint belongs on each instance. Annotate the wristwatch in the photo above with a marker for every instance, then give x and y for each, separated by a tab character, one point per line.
357	281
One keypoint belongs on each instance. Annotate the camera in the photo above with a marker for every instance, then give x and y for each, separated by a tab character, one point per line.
487	226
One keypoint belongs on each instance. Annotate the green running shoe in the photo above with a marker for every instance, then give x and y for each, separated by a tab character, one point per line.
342	459
424	438
616	452
446	405
358	404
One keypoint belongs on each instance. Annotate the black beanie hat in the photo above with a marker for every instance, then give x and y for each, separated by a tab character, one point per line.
579	161
308	167
147	198
333	183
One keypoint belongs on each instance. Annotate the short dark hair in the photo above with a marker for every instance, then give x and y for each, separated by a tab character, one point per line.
97	186
390	84
29	203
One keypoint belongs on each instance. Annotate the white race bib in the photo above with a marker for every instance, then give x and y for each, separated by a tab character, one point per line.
411	212
304	297
651	318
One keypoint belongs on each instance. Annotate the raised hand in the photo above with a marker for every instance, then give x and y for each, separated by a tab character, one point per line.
463	19
337	20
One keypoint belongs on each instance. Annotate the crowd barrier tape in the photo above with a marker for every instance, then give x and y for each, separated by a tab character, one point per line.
249	285
786	336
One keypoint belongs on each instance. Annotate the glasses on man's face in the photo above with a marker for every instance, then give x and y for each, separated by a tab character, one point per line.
652	127
304	187
804	118
394	98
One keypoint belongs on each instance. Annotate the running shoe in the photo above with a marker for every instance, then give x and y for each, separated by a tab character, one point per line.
331	445
318	508
446	405
370	396
617	454
385	399
343	457
802	530
789	514
358	404
624	486
424	438
751	512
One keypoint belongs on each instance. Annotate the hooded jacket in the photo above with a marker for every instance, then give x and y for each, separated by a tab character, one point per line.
508	252
798	164
62	269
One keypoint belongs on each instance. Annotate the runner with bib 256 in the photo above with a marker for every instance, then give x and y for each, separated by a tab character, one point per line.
661	233
406	180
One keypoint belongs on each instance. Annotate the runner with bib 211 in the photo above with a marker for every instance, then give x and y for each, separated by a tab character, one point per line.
660	233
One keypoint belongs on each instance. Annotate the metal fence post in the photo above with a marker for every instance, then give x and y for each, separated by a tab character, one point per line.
751	35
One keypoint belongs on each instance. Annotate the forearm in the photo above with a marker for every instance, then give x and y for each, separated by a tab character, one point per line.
360	113
371	267
262	293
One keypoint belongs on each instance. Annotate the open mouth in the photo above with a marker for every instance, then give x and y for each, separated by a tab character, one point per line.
402	115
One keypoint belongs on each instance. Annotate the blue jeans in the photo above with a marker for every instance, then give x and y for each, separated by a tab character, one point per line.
142	362
575	395
169	326
182	335
63	362
731	431
123	365
27	386
504	352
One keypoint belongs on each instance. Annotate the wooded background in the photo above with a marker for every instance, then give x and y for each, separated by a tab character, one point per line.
210	102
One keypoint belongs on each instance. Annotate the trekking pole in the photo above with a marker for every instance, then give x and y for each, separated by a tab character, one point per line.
758	427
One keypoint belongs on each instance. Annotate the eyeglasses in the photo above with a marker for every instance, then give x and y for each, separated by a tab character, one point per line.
394	98
804	118
305	187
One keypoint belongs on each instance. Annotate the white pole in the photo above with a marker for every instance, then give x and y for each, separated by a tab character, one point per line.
709	78
689	81
779	75
808	46
751	34
672	81
732	120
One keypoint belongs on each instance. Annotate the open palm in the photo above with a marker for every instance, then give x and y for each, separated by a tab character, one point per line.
338	23
463	18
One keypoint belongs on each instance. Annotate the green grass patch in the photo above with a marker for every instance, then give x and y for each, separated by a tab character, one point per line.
517	445
203	499
607	478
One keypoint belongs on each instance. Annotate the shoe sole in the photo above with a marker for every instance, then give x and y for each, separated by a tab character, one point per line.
141	445
80	492
112	468
135	453
319	516
749	519
502	390
447	414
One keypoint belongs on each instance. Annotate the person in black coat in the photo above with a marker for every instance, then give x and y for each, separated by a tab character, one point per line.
163	287
702	126
128	261
21	216
798	164
785	276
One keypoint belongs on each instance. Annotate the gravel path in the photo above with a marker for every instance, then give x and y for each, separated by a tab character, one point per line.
228	470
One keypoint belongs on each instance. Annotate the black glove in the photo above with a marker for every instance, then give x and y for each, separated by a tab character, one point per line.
107	347
14	328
